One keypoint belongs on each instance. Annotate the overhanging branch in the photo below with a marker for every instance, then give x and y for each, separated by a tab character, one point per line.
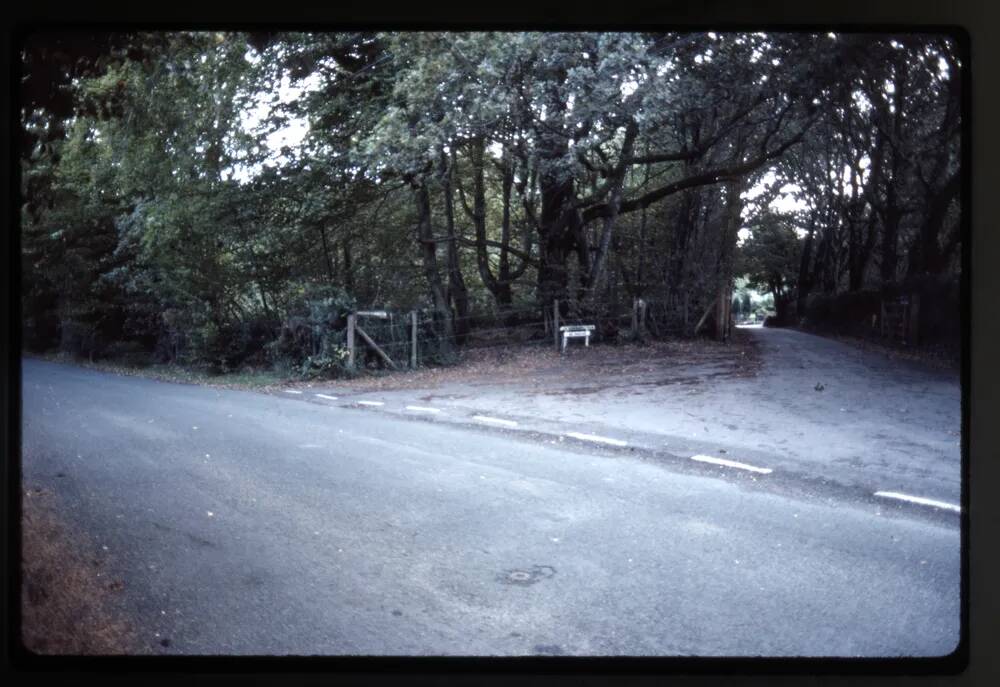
709	177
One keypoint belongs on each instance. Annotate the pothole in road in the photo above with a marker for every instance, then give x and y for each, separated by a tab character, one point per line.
524	578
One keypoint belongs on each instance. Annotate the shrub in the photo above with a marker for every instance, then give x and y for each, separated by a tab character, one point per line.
852	313
244	343
843	313
129	353
311	340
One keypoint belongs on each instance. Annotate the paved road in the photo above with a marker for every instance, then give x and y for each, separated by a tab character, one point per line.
251	523
877	424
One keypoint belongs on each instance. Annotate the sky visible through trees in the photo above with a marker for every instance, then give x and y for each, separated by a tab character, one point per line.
201	196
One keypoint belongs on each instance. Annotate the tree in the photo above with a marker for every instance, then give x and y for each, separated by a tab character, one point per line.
770	259
466	170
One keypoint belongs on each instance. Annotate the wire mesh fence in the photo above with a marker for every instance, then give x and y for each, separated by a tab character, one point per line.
399	338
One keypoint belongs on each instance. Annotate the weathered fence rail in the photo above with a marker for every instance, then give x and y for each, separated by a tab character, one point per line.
354	330
398	339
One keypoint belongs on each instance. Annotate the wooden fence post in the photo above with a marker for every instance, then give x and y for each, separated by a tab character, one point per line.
555	322
635	318
413	339
351	320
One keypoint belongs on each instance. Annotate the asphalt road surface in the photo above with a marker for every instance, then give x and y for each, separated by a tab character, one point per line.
248	523
817	408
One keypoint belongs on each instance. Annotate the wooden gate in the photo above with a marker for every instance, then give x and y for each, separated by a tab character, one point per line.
354	329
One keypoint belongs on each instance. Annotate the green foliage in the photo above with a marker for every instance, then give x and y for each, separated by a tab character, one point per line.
770	257
159	212
312	339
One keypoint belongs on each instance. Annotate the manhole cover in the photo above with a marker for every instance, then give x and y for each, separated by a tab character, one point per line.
523	578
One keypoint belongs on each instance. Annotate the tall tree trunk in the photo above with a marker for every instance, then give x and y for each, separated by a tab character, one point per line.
805	278
555	242
685	228
558	223
641	271
326	252
824	268
641	268
504	274
868	248
893	212
497	288
458	293
348	266
432	273
780	302
855	251
926	256
596	270
855	255
890	239
730	228
263	300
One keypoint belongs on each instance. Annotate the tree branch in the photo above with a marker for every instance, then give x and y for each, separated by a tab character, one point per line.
496	244
712	176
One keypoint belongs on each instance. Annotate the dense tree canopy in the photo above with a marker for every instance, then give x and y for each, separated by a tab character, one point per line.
470	172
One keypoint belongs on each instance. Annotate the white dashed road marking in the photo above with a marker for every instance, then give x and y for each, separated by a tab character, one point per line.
495	420
598	439
422	409
618	442
919	499
731	464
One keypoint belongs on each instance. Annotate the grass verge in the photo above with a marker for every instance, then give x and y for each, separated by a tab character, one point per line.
505	364
66	597
246	379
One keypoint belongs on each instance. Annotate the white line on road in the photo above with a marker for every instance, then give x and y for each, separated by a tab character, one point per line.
370	403
599	439
291	391
730	464
496	420
329	398
919	499
422	409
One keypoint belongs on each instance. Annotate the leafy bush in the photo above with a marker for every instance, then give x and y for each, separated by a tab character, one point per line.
311	340
844	313
77	338
128	353
245	342
852	313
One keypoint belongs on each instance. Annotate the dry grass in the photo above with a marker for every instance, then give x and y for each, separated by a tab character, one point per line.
513	364
544	367
66	598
